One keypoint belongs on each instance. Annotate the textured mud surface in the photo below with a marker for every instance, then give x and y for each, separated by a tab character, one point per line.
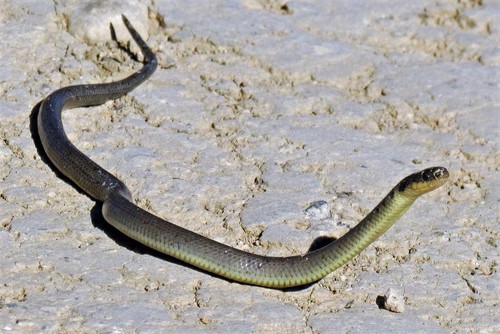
258	110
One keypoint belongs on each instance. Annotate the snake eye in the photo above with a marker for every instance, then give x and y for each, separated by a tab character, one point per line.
426	175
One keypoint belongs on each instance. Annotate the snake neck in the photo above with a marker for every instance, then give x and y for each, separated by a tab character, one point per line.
380	219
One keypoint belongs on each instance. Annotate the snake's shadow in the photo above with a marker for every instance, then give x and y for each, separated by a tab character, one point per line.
96	212
121	239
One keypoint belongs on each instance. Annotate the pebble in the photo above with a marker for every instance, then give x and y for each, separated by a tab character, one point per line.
394	301
318	210
90	20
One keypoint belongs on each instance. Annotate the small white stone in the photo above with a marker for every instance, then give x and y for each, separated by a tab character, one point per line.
394	301
318	210
89	20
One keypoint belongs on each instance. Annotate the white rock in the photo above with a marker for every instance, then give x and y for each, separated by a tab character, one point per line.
318	210
394	301
90	20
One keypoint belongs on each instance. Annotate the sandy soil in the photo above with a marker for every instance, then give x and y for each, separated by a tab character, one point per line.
258	110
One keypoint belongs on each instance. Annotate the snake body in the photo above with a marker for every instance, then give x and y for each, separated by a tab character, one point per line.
120	211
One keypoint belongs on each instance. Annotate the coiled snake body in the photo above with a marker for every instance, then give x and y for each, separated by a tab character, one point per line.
120	211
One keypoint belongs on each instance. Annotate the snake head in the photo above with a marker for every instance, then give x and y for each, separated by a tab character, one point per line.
424	181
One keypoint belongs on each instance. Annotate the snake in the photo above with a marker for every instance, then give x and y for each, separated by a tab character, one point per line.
119	210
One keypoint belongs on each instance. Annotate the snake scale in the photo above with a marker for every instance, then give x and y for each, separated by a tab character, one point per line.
119	210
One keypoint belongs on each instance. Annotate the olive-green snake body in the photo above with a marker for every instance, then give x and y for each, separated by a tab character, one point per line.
120	211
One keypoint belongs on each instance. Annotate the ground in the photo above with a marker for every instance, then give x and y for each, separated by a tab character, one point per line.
258	110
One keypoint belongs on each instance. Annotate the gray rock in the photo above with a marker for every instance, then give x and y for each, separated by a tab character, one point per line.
318	210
